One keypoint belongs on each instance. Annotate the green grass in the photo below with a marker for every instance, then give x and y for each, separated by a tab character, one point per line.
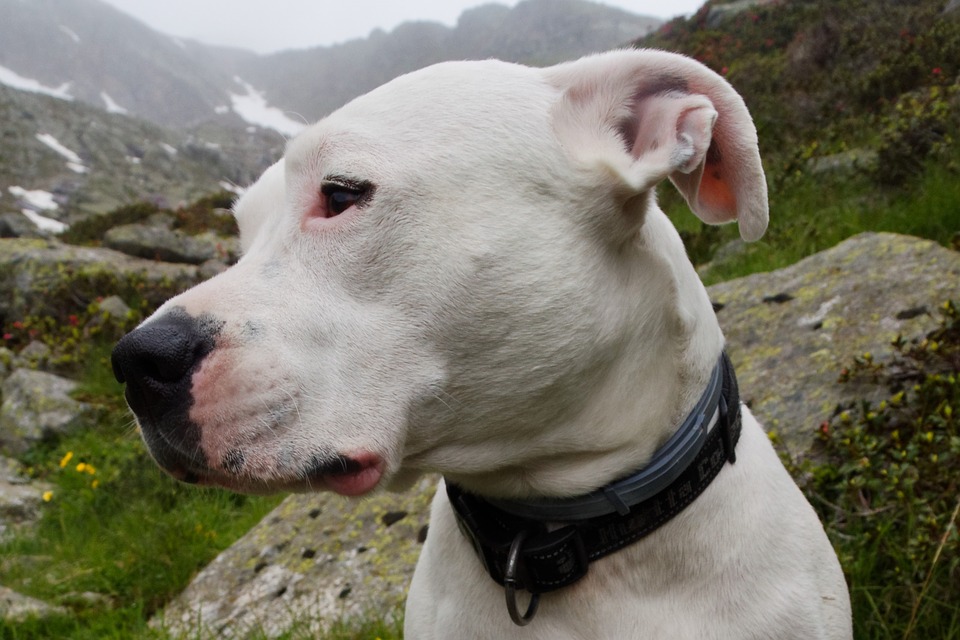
115	526
813	213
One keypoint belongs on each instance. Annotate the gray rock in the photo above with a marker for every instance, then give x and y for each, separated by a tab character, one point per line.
40	277
16	225
164	220
15	607
318	557
20	499
790	332
845	162
36	406
159	243
315	559
114	306
33	356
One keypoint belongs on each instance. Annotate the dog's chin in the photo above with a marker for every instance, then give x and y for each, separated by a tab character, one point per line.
350	476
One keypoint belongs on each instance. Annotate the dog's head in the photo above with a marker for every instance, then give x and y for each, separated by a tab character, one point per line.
449	273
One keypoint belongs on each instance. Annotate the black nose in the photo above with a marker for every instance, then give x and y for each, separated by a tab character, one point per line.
157	359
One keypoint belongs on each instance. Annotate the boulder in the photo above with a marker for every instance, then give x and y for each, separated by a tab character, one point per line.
47	277
37	406
15	607
845	162
160	243
114	306
35	355
791	331
17	225
315	559
318	558
20	499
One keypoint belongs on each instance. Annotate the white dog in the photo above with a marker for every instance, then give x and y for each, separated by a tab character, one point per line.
465	271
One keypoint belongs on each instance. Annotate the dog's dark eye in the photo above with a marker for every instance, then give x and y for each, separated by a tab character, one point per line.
339	197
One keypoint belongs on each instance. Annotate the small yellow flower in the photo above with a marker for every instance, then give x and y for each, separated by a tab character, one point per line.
47	496
66	459
81	467
95	484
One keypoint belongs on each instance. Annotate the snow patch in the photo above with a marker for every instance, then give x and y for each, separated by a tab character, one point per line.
253	108
11	78
44	223
222	109
133	160
39	200
70	33
74	162
112	106
168	148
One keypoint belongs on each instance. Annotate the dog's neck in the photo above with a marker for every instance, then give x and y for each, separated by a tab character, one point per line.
644	396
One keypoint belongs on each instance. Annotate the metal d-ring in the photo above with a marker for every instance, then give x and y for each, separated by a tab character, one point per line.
510	585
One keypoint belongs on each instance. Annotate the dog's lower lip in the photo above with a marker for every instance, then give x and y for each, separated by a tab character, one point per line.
359	474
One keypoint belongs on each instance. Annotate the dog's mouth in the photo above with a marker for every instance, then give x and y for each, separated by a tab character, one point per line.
348	475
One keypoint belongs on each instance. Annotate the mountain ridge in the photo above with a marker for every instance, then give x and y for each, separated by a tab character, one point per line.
92	52
98	110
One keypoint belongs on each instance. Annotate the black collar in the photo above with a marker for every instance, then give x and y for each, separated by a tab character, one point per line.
520	551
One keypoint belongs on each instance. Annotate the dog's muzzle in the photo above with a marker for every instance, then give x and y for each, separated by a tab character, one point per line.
157	362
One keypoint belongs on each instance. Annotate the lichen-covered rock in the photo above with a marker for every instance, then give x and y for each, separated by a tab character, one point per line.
15	607
160	243
36	406
45	277
314	560
791	331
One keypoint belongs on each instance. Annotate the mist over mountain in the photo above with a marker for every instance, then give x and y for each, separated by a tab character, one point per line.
93	53
97	109
316	81
89	51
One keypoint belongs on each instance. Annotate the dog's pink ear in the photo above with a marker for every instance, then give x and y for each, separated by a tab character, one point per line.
668	117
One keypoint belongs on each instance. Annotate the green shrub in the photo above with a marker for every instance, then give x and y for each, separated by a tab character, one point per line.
884	480
91	230
921	126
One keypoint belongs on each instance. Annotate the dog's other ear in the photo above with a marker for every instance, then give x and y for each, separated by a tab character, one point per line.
650	115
